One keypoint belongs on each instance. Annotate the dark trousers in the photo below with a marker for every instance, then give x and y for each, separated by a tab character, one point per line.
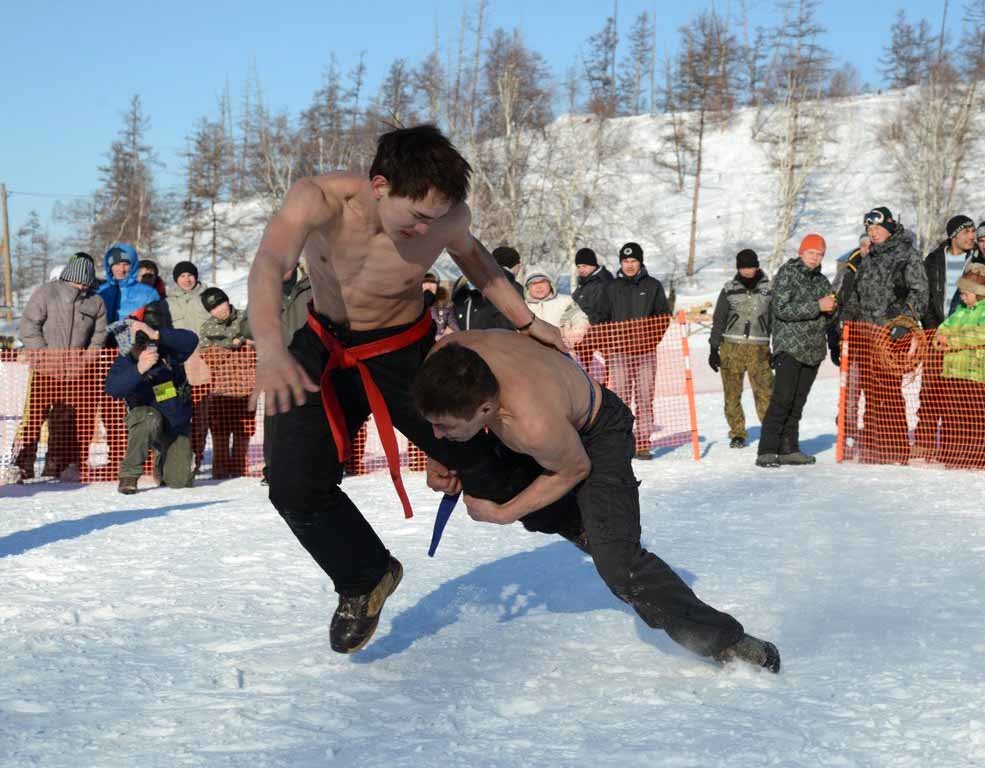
607	505
304	469
791	386
62	403
232	425
636	374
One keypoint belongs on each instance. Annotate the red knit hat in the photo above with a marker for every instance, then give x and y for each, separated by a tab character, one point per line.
812	242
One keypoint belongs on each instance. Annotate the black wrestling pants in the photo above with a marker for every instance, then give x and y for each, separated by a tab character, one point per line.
304	470
608	503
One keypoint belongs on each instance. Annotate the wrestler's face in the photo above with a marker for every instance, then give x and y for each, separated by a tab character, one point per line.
459	430
404	219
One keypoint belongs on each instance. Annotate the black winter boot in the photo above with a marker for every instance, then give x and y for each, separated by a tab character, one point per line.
767	460
796	458
759	653
357	616
791	455
737	442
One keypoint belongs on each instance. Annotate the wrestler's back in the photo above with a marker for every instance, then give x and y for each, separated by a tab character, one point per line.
364	278
533	379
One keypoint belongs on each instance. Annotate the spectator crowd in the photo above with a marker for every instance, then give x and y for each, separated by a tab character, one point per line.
180	373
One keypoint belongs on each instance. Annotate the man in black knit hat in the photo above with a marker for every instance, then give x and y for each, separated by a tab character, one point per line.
635	295
740	342
589	295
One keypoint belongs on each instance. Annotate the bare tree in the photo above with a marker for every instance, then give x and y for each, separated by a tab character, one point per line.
791	123
208	179
909	55
637	67
396	95
78	219
600	70
705	90
569	191
322	127
515	106
844	83
30	257
126	197
930	135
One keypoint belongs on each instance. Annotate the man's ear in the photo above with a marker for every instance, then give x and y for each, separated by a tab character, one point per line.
380	186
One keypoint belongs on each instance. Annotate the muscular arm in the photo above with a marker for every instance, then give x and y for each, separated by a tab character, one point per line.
478	265
558	449
305	208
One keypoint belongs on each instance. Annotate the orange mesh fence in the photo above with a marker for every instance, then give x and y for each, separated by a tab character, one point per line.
55	421
919	399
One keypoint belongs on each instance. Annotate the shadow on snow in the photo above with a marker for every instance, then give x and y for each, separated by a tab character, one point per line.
555	577
21	541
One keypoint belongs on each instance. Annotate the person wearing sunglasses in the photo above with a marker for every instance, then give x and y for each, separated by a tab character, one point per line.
892	282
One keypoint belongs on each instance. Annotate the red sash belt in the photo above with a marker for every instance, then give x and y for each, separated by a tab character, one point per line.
339	356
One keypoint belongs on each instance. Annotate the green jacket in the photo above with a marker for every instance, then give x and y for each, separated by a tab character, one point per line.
964	332
221	333
799	328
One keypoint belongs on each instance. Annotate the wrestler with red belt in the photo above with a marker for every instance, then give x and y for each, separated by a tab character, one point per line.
367	243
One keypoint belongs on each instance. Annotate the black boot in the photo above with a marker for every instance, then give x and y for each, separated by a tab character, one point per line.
767	460
737	442
791	455
759	653
357	616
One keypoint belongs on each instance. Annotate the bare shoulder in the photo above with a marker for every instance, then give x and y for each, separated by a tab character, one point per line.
318	200
456	224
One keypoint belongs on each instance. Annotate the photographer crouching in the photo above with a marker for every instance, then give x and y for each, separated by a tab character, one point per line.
150	375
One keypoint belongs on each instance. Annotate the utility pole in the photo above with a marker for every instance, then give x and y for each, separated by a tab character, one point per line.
8	298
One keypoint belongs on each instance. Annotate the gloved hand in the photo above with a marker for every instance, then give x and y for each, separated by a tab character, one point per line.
714	359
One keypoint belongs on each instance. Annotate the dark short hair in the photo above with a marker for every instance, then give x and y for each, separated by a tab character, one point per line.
455	381
416	160
148	264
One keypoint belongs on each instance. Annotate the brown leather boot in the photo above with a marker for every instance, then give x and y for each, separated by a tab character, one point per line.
357	616
128	485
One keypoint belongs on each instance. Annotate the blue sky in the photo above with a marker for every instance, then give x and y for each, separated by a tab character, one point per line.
70	68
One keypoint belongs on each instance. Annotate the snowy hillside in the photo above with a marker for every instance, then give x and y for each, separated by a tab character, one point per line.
188	628
737	199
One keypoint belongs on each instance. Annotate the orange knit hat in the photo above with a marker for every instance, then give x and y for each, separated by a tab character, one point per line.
812	242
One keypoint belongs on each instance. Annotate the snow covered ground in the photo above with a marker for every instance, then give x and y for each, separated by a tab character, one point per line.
188	628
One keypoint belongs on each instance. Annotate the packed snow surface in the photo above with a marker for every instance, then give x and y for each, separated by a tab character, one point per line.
188	628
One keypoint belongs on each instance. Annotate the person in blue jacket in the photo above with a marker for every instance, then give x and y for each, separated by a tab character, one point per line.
150	375
122	293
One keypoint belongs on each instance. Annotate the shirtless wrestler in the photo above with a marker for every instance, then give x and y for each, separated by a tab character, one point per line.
541	403
367	243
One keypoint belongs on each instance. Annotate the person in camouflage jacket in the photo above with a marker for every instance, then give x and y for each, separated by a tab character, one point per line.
892	281
740	342
802	301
